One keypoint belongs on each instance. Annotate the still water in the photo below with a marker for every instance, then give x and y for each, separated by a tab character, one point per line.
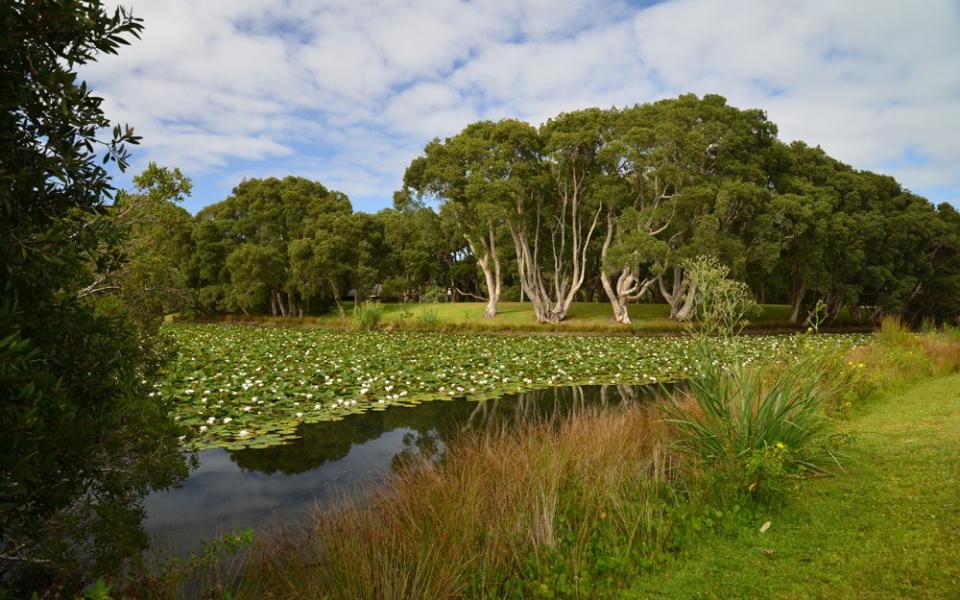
253	488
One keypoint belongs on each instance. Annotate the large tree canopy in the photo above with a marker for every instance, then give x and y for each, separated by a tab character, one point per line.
597	201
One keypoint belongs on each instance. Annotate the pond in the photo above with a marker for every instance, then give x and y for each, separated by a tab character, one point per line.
254	487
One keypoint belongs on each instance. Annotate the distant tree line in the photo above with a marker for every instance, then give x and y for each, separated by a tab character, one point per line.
594	205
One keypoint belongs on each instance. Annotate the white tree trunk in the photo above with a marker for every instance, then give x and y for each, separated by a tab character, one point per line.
552	297
485	249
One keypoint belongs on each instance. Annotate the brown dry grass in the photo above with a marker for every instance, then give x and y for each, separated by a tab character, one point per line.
444	531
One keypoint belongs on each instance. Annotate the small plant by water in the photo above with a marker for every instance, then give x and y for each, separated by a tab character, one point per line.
368	316
752	427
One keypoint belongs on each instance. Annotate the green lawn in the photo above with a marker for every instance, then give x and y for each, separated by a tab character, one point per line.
888	527
516	316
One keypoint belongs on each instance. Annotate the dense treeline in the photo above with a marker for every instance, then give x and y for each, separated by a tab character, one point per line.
594	205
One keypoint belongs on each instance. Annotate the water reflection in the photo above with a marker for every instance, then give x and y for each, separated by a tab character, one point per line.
246	488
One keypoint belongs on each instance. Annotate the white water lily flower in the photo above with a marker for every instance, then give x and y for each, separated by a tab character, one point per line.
243	433
226	420
299	414
203	428
211	420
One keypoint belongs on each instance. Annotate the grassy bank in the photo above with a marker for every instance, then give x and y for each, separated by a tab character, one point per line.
886	527
516	317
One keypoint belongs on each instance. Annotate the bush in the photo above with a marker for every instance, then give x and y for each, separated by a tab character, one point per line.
395	289
722	304
750	429
368	316
433	293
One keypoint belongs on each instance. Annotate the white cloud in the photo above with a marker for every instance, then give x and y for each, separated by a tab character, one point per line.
348	91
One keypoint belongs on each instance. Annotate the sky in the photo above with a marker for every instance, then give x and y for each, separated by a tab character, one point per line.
348	92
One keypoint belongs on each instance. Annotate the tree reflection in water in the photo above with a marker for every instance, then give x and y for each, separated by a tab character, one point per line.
331	460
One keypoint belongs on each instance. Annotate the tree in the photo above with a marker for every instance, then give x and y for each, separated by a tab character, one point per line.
81	441
557	206
154	280
419	251
275	216
476	175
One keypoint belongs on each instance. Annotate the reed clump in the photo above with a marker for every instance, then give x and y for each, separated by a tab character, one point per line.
500	504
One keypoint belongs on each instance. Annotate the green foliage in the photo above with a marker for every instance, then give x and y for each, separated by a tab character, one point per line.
750	429
434	294
99	590
368	316
817	315
154	279
722	304
236	386
81	441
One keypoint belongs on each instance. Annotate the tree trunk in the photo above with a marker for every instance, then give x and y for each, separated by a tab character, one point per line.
569	260
686	312
674	296
489	263
273	305
795	302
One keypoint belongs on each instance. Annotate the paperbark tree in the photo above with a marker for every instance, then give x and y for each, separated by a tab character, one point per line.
563	216
475	175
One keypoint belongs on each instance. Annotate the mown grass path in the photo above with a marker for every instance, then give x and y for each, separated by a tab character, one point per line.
888	527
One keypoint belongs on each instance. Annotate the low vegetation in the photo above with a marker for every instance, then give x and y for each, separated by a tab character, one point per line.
598	504
888	526
516	317
236	386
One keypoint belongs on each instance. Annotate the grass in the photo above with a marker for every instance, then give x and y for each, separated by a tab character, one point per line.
887	527
500	505
514	317
627	503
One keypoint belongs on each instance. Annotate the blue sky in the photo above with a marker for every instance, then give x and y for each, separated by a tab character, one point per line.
348	92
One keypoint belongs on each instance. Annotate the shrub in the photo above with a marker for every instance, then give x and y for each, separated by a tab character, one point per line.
368	315
429	318
433	294
750	429
722	305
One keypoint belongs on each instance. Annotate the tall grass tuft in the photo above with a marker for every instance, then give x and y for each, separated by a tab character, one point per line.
894	333
368	316
752	427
